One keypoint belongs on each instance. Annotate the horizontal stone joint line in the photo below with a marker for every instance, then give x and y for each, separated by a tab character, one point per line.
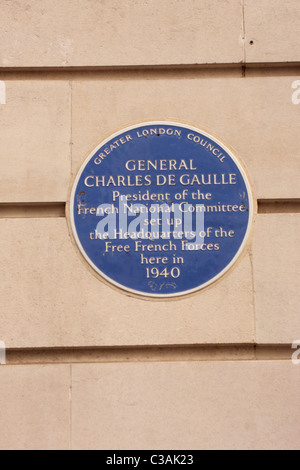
134	71
270	206
57	209
180	353
32	210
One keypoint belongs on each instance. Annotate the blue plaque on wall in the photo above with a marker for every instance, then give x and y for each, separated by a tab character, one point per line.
161	209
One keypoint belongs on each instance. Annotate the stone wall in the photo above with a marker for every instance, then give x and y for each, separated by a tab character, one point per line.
91	367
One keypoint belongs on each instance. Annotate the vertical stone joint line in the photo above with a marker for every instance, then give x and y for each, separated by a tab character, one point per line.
71	126
71	409
243	34
2	92
253	296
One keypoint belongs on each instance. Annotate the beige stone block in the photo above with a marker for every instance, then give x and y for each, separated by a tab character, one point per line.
50	298
272	31
254	115
213	405
35	407
35	141
276	263
117	33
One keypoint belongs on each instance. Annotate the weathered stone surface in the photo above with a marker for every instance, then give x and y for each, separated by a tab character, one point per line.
272	31
35	156
188	405
35	407
114	33
276	261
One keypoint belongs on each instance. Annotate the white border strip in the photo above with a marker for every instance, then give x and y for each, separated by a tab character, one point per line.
2	92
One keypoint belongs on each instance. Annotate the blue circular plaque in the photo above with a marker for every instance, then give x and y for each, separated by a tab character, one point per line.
161	209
